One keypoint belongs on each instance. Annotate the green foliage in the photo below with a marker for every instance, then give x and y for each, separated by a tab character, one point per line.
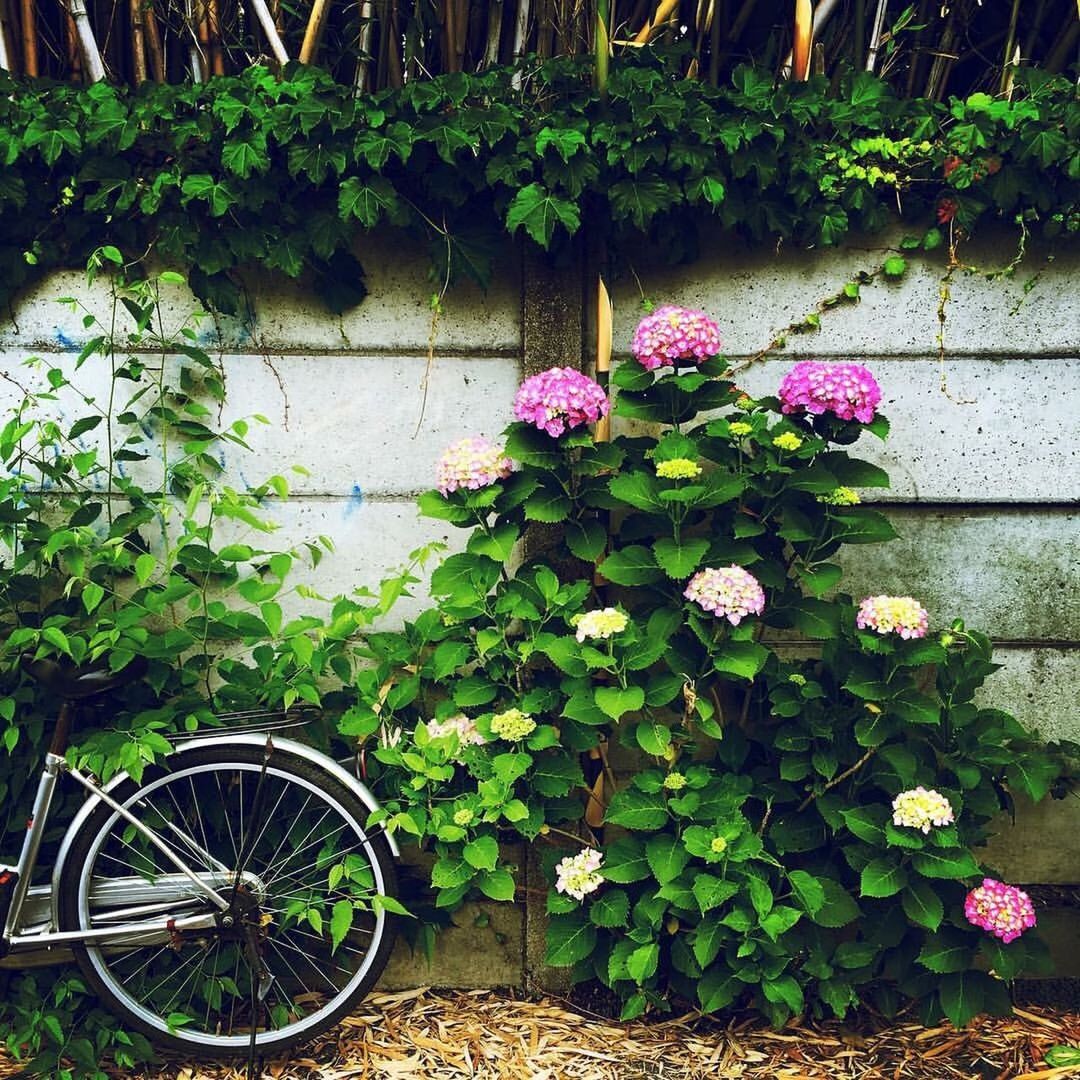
461	159
122	539
750	856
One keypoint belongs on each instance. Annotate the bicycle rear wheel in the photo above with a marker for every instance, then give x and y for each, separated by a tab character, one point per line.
306	935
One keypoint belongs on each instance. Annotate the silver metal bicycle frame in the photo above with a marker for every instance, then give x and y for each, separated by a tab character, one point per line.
55	765
41	942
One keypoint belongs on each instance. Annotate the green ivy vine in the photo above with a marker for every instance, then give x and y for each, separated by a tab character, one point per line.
285	171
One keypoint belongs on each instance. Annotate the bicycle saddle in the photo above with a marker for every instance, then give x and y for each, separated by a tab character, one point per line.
73	681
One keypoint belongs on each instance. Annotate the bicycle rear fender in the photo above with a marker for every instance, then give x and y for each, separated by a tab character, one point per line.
289	746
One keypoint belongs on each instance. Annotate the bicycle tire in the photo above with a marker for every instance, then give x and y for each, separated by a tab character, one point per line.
109	974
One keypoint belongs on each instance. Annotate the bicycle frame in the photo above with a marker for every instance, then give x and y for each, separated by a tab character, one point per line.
12	942
30	936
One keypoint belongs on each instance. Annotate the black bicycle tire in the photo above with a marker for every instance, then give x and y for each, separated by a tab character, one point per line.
77	860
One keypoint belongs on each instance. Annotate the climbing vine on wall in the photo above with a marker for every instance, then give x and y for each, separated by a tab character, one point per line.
286	172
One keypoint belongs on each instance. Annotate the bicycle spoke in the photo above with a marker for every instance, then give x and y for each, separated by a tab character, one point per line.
291	838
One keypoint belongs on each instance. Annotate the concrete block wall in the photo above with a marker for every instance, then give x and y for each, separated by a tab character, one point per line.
983	454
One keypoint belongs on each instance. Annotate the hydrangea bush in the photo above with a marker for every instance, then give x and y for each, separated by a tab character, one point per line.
797	781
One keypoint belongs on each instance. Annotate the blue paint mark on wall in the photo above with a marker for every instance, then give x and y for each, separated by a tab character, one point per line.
356	500
64	341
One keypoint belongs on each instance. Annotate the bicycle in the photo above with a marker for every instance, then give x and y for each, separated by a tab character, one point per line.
229	903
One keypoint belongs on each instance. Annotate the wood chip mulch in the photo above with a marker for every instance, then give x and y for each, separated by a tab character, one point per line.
440	1035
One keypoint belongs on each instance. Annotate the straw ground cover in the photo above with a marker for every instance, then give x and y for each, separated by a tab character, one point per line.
445	1035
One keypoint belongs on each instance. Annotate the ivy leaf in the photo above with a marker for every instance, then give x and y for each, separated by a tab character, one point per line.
203	186
565	141
641	200
894	266
367	202
243	158
540	212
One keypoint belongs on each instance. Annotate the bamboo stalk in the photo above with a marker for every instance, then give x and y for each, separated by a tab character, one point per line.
603	53
822	13
521	34
88	46
494	33
719	17
363	65
1011	56
859	34
802	40
875	35
320	11
138	42
153	42
195	54
5	55
266	21
213	28
71	41
29	37
664	10
1010	74
1066	42
817	63
461	32
394	74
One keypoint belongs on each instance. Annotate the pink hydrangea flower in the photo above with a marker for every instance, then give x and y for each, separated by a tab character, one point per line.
902	615
471	463
672	335
1002	910
560	399
848	390
730	593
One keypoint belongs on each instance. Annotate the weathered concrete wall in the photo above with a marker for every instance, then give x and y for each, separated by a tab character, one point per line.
985	470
